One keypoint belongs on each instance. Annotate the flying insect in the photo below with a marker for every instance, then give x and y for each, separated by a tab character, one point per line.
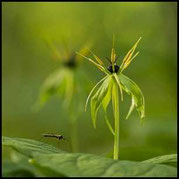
57	136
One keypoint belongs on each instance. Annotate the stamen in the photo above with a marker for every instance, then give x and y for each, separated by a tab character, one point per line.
108	60
116	59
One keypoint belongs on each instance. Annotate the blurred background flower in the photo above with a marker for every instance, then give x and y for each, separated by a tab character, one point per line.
26	62
68	83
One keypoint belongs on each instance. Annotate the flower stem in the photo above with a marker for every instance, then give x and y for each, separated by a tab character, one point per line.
115	102
74	135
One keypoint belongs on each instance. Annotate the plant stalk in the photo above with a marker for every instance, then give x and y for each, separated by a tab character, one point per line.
115	102
74	134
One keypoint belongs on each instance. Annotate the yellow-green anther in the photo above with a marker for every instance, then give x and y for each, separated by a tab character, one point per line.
97	58
96	64
128	58
113	55
128	63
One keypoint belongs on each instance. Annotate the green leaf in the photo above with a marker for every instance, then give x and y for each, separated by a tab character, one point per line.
18	165
102	96
93	90
59	83
12	169
98	97
85	165
27	146
79	164
162	159
137	97
46	171
105	104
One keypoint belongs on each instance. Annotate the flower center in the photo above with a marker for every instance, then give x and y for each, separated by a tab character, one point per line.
71	63
116	69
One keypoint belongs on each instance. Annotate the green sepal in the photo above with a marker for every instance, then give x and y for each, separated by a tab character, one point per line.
132	89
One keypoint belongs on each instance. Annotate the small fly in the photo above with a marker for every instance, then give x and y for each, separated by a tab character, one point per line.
57	136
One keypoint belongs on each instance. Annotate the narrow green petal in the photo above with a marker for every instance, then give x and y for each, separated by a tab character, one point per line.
109	125
93	90
105	104
98	97
132	89
131	108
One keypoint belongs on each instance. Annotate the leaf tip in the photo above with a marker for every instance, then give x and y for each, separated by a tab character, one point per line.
127	117
142	121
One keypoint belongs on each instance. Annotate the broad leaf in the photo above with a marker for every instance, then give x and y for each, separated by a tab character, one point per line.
137	97
12	169
27	146
18	165
163	159
85	165
79	164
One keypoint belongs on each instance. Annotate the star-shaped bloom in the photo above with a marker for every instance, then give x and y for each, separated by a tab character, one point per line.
114	76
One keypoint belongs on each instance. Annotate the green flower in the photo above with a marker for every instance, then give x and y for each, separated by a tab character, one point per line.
62	82
65	82
113	82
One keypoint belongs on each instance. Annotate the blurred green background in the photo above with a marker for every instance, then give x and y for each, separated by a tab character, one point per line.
27	62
